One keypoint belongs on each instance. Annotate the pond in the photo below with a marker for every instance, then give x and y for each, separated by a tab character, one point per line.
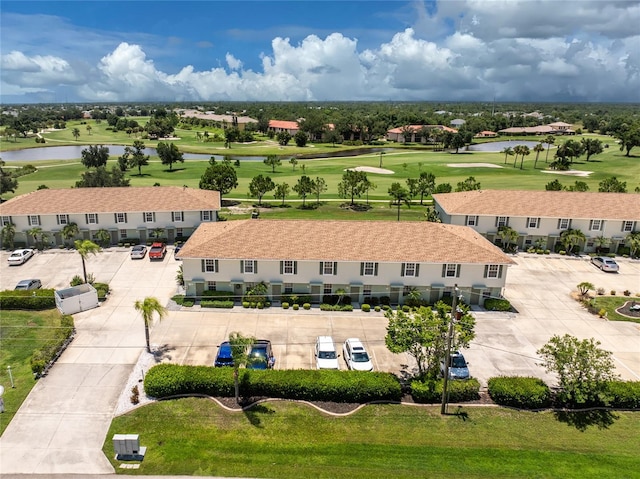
498	146
75	153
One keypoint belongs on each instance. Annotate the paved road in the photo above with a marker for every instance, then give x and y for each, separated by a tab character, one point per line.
63	423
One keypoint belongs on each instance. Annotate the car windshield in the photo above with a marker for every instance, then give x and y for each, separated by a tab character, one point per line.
458	362
16	255
360	357
327	355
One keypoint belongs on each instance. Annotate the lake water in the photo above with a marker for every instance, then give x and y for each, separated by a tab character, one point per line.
497	146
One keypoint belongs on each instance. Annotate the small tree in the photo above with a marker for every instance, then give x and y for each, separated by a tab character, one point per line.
399	195
470	184
260	186
284	137
301	139
240	353
85	248
293	162
508	236
272	161
147	307
8	235
612	185
554	185
319	186
584	288
95	156
571	239
76	133
633	240
69	231
220	177
583	368
282	191
103	237
303	187
169	154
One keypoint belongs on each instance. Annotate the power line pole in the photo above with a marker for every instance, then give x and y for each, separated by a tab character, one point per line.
447	357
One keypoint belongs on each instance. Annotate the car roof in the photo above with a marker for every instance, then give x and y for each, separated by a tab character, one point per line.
18	251
25	281
354	341
139	246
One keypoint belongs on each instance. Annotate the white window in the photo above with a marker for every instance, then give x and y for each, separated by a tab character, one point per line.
627	226
6	220
288	288
121	218
410	269
492	271
34	220
205	215
327	268
288	267
211	286
63	219
595	225
451	270
369	268
502	221
533	222
149	217
123	234
472	220
179	232
563	223
328	288
92	219
249	266
177	216
366	290
210	265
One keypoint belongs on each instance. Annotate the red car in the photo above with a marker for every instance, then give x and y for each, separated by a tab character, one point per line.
157	251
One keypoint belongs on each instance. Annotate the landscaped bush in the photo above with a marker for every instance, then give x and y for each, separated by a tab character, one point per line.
285	305
219	295
49	352
36	300
188	303
377	309
102	289
495	304
336	299
296	298
336	307
624	394
167	380
76	281
246	304
306	306
296	307
216	304
430	390
520	392
178	299
366	308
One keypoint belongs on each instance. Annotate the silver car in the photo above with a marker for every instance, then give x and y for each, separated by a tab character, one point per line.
26	284
138	251
605	264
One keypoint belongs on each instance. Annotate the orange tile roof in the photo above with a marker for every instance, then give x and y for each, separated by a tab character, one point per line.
283	124
387	241
108	200
547	204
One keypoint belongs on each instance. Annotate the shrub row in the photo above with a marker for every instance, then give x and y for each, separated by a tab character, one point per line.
373	301
520	392
335	307
167	380
624	394
430	390
296	298
495	304
37	300
253	304
42	358
219	295
216	304
336	299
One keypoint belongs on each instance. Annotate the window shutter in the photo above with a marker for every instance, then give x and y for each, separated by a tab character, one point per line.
402	269
29	219
590	224
602	224
538	223
417	269
500	271
215	268
281	267
506	221
241	266
458	271
172	217
570	223
486	270
623	225
144	217
321	267
201	215
477	220
96	218
335	267
295	267
39	220
154	216
528	222
466	221
125	217
444	270
115	217
202	265
86	219
558	227
361	269
496	221
375	269
255	266
58	221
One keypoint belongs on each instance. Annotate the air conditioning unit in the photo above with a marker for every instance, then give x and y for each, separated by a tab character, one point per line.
127	447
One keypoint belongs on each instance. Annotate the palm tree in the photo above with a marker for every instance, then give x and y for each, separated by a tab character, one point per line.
525	151
103	237
633	240
400	195
508	151
572	238
69	231
507	236
239	352
76	133
85	248
89	129
538	148
601	242
549	140
35	232
8	234
147	307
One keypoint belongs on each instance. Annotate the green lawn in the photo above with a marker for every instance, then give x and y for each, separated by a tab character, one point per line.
21	332
611	303
287	440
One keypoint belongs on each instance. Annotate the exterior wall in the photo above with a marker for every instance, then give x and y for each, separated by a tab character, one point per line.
389	280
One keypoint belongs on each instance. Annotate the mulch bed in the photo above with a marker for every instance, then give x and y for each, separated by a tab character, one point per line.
626	310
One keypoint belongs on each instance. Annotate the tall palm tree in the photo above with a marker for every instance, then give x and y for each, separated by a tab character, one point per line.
85	248
69	231
525	151
508	151
517	150
400	195
76	133
633	240
89	129
549	140
8	234
240	353
538	148
572	238
508	236
35	232
147	307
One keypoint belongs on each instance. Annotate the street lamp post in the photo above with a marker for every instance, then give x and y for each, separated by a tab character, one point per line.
10	376
447	357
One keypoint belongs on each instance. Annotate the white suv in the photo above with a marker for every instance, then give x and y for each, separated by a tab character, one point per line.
325	352
356	356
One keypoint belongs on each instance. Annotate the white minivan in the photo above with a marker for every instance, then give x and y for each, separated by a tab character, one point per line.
325	352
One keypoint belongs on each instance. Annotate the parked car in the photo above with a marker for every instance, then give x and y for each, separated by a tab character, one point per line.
356	356
458	367
19	256
157	251
29	284
261	355
224	357
325	352
605	264
177	249
138	251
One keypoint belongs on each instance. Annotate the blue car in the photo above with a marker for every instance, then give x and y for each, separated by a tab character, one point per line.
223	358
261	355
458	367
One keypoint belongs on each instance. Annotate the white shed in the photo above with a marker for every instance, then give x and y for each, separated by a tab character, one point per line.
76	299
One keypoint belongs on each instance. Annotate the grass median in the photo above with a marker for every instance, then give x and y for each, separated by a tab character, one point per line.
287	440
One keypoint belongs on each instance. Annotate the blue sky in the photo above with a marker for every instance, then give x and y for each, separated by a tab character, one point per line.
447	50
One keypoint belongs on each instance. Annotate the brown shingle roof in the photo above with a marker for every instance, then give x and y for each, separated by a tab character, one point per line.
341	241
106	200
547	204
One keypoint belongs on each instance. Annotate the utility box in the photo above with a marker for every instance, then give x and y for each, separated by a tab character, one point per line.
76	299
127	447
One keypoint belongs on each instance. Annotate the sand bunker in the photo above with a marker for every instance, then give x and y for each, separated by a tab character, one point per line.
473	165
371	169
569	172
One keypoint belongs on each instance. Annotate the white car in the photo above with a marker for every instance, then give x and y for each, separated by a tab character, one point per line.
138	251
19	256
356	356
325	352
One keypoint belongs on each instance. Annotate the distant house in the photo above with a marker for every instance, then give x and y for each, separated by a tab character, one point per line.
226	121
457	123
486	134
278	126
397	134
558	128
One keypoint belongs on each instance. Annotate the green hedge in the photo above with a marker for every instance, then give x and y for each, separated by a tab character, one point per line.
494	304
167	380
624	394
102	289
216	304
335	307
520	392
46	355
430	390
37	299
219	295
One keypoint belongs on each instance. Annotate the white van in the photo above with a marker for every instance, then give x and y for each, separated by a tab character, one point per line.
325	352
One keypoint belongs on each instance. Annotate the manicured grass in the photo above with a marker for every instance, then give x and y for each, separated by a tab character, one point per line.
21	332
287	440
611	303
